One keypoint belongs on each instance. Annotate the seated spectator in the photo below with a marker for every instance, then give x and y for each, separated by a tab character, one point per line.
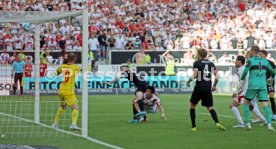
77	46
4	57
13	58
137	43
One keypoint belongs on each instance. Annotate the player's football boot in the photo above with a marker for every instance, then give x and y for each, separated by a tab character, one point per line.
193	129
248	126
133	121
74	127
141	114
55	126
256	120
270	128
220	127
239	126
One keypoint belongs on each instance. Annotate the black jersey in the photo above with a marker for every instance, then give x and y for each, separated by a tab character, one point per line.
205	69
138	81
268	74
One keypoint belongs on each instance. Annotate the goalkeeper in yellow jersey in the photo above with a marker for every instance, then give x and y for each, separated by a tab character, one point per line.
66	91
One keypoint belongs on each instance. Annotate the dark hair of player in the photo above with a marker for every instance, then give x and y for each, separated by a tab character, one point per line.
241	58
255	49
71	57
264	52
123	66
202	53
151	88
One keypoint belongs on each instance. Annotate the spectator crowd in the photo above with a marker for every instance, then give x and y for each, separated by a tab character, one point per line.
144	25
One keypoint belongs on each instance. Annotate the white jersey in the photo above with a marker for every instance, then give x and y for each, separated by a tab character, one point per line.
245	84
151	105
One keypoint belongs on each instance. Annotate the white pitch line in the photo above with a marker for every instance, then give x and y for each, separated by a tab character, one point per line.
64	131
226	116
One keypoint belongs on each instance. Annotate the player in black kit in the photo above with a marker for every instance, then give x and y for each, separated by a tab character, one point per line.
141	86
203	70
270	84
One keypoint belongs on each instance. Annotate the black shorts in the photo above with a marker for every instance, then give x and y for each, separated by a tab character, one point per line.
140	89
204	94
270	88
18	76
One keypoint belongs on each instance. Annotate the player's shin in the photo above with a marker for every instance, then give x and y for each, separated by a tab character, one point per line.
267	114
141	104
273	106
193	117
75	115
237	114
246	113
214	116
58	114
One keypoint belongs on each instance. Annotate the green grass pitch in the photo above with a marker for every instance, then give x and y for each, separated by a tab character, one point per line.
108	116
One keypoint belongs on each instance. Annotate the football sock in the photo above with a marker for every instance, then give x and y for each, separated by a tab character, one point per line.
193	117
273	106
75	114
258	114
134	111
59	112
246	113
214	115
237	114
14	89
21	89
267	114
141	105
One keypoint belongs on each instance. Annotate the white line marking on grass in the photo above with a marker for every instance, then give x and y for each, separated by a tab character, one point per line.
64	131
226	116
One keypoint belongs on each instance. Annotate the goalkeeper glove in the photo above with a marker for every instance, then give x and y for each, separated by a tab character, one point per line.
270	81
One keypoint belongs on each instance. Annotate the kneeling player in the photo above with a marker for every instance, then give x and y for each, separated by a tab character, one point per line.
152	103
239	96
66	91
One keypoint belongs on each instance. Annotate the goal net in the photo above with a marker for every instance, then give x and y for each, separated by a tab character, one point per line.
28	107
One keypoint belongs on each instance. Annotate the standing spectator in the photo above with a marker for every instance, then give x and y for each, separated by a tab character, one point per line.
137	43
13	58
52	44
1	42
28	68
224	43
77	46
4	57
103	44
111	43
129	45
250	41
119	42
29	43
9	42
94	45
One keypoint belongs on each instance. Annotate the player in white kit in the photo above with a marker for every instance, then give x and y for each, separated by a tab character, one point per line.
239	96
152	102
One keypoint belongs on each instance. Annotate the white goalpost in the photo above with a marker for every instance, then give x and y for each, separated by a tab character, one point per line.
16	110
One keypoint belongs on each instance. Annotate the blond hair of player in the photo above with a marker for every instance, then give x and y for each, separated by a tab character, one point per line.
66	92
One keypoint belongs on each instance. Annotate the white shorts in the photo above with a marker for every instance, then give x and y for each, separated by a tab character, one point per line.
151	109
